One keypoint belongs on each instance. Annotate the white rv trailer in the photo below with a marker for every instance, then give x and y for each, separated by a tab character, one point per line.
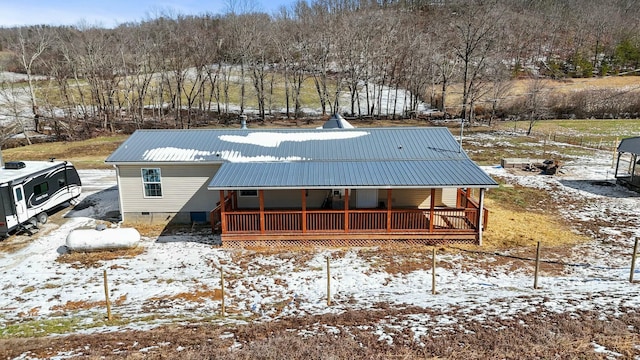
28	189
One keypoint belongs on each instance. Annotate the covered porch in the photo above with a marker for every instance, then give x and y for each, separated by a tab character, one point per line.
430	223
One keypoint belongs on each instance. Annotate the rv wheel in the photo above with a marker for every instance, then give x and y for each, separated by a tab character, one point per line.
43	217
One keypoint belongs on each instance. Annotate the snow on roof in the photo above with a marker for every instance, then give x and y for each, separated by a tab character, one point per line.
174	154
274	139
236	157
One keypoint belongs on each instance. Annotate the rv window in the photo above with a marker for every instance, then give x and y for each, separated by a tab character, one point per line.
248	193
18	194
40	188
152	182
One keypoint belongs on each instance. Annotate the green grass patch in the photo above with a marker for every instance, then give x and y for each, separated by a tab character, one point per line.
516	197
36	328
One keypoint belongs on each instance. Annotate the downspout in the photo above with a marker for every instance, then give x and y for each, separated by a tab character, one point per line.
481	216
119	193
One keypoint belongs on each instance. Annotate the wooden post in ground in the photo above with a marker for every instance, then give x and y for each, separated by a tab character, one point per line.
535	278
222	309
328	283
613	157
633	260
433	271
106	294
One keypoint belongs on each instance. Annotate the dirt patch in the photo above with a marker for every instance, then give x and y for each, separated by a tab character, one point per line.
197	296
81	260
84	305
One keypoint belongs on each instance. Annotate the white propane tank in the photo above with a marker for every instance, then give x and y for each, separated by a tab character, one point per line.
101	238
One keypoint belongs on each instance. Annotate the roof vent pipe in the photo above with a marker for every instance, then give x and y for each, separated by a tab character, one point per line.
243	121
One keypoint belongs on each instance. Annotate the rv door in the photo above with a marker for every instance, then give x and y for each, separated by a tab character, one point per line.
21	203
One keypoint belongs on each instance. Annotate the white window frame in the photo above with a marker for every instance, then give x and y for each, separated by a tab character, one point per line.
240	193
144	183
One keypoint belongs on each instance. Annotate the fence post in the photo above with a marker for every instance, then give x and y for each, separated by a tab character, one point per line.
613	157
535	279
433	271
633	260
222	309
106	294
328	283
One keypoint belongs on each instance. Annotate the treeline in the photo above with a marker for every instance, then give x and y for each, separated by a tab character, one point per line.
178	71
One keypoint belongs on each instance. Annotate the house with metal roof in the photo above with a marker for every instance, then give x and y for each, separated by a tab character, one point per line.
336	185
628	163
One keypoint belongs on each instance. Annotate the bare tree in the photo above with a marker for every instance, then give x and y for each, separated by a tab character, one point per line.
29	44
536	101
475	25
14	100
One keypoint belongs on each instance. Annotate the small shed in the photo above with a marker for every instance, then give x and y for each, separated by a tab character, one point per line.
628	164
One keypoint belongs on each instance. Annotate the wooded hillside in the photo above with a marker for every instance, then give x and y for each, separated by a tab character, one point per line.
458	56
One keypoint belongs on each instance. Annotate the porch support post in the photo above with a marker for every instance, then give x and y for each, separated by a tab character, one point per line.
346	210
617	166
388	210
234	196
223	216
261	197
480	216
303	193
431	211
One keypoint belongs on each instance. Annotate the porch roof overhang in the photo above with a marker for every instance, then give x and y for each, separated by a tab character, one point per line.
461	173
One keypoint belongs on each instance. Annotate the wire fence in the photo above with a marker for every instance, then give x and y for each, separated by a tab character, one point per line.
220	294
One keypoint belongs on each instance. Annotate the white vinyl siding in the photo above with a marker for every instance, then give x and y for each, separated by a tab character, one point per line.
448	197
421	198
184	189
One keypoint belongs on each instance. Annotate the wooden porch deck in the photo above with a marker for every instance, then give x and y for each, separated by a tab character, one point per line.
436	225
454	224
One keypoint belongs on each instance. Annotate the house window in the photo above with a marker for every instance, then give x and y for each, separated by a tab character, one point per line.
40	188
249	193
151	182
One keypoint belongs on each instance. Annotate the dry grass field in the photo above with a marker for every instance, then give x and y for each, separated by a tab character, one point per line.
520	87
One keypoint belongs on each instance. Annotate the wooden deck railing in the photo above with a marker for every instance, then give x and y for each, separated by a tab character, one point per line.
404	220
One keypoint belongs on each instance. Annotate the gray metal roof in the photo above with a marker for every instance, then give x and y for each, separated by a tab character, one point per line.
630	145
352	174
212	145
322	158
